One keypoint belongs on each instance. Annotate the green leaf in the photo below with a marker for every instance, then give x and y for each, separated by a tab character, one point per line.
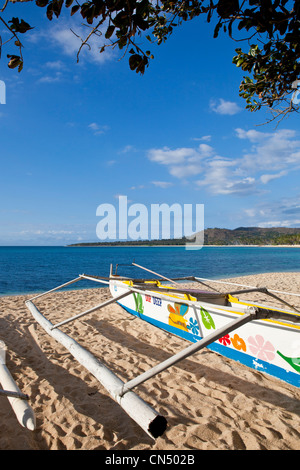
19	26
74	9
49	11
226	8
109	31
134	60
20	67
41	3
207	319
217	28
15	61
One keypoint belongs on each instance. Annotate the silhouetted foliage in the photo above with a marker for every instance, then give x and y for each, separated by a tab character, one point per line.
271	28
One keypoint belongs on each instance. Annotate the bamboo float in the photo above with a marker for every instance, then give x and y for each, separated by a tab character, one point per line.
18	400
144	415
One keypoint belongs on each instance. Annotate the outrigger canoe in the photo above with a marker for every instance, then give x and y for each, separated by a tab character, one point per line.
270	345
259	336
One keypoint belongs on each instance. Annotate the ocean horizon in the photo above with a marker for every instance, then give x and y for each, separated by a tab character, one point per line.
35	269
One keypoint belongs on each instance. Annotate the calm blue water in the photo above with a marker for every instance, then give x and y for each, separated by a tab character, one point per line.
37	269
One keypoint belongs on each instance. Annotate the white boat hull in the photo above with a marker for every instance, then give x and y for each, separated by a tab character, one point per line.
270	346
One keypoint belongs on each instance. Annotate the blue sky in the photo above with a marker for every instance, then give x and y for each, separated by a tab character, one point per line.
75	136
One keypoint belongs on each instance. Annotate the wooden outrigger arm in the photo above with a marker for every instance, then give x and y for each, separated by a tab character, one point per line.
97	307
253	314
9	393
192	349
248	289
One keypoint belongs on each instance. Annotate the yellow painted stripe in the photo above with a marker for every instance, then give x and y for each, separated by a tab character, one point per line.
269	320
230	299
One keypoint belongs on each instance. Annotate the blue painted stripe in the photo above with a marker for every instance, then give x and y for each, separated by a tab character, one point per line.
243	358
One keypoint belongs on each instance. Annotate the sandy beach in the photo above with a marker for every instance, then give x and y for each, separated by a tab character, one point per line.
210	402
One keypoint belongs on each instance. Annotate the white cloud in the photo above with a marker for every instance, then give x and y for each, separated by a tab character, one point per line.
66	39
206	150
182	162
183	171
128	149
266	178
41	234
57	64
220	178
162	184
275	151
67	36
250	212
280	213
268	156
252	135
206	138
166	156
224	107
111	162
47	232
98	129
70	44
50	79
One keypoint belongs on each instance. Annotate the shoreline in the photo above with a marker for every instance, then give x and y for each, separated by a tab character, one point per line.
182	246
99	286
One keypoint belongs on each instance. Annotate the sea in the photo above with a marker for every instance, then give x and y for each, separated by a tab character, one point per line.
26	270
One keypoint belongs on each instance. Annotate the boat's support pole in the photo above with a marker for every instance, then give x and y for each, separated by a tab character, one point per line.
16	398
192	349
97	307
266	291
8	393
156	274
57	288
149	420
199	279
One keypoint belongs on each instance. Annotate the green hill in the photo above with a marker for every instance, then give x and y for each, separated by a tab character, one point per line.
221	236
252	236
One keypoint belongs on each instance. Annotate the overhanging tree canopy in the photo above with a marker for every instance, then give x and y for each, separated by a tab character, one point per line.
271	28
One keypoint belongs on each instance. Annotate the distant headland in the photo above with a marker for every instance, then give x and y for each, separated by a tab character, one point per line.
241	236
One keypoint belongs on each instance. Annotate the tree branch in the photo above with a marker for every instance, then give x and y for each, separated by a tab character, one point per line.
85	41
20	45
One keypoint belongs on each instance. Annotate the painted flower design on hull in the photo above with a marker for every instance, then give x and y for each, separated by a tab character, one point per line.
261	349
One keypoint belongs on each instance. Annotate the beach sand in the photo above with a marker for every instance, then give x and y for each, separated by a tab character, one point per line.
210	402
